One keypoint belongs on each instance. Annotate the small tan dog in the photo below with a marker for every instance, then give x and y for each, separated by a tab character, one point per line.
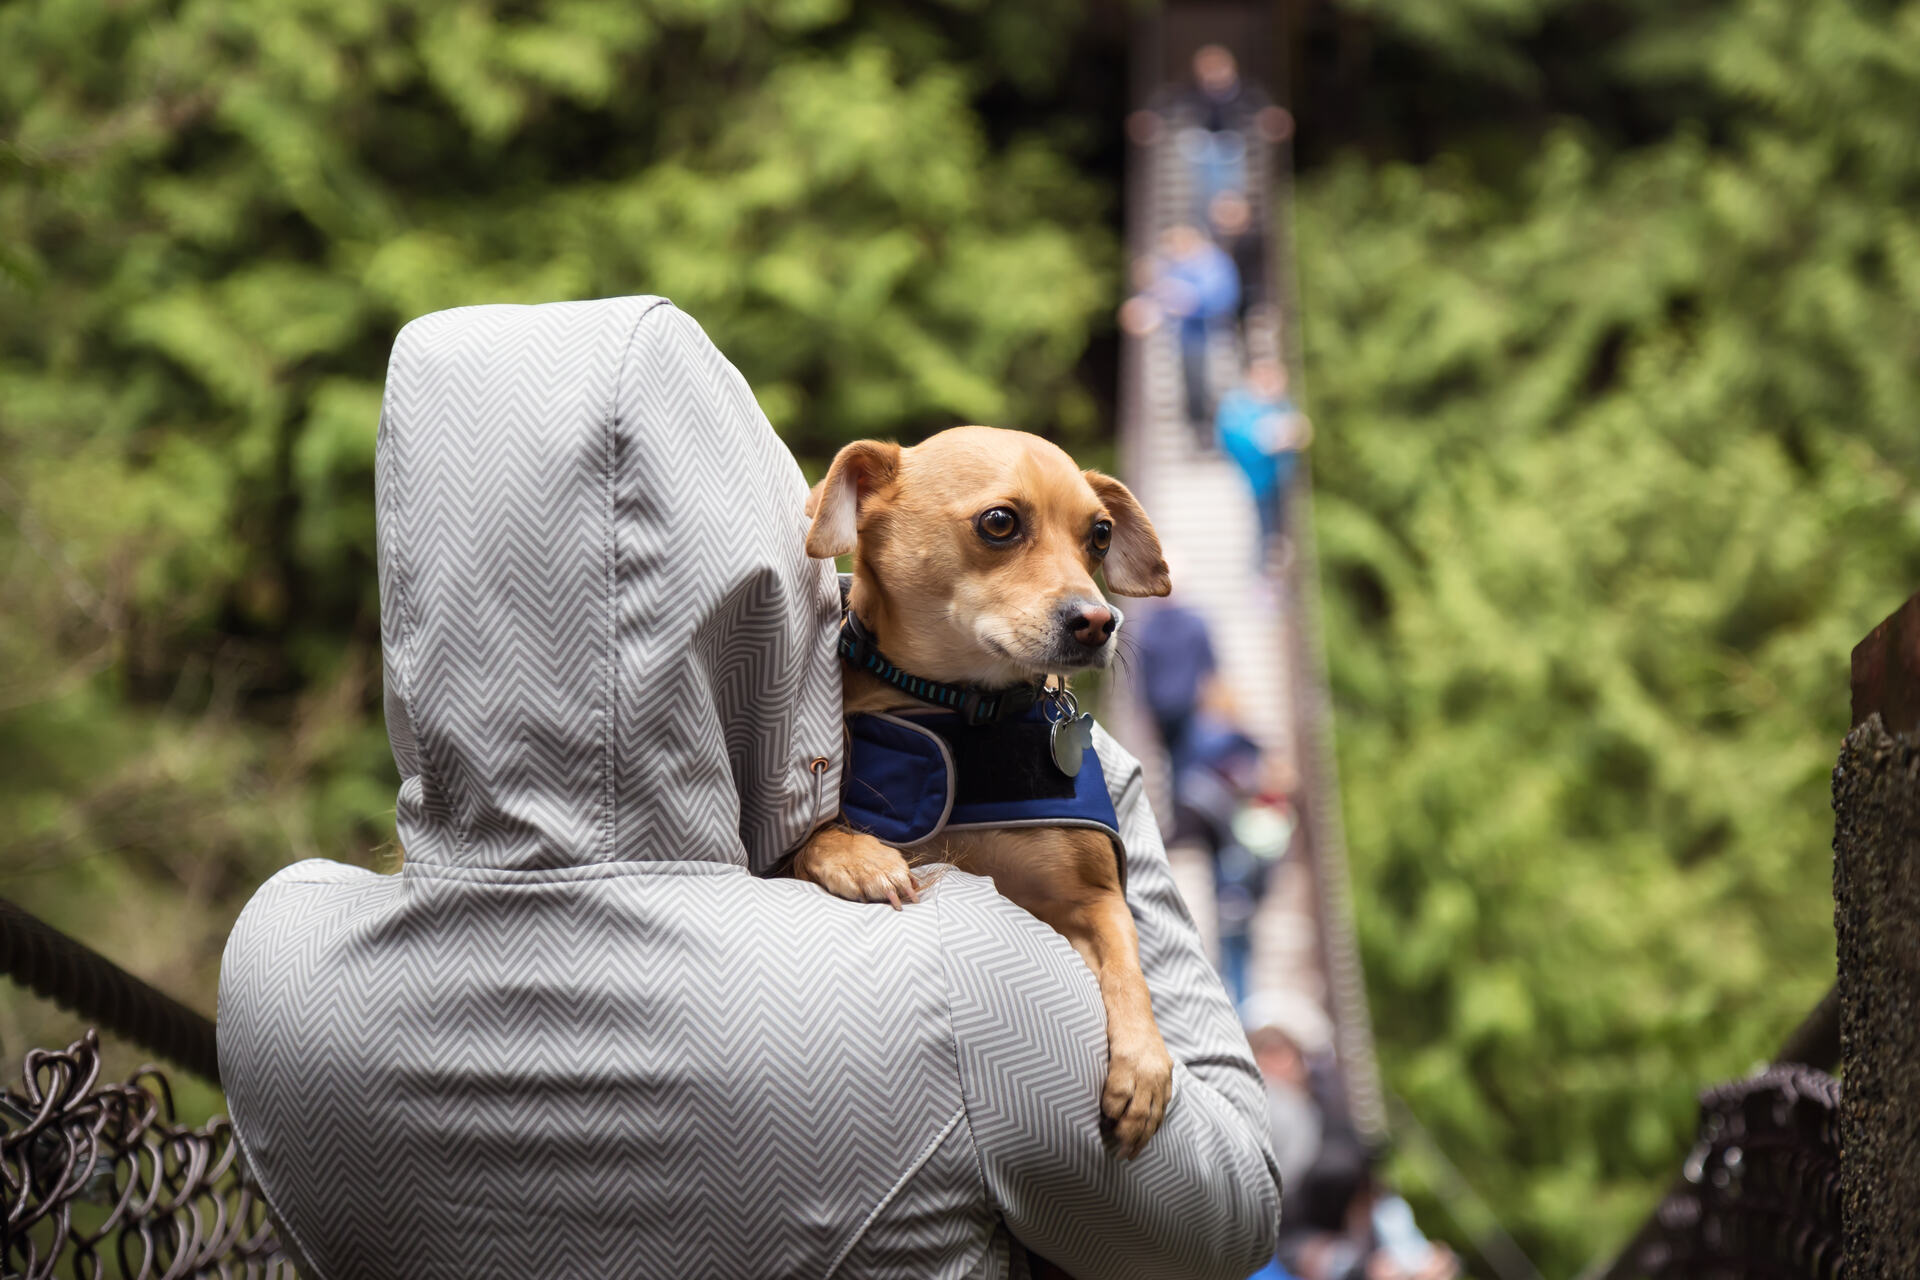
974	555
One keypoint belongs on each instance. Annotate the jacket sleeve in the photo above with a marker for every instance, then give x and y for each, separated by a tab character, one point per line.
1203	1200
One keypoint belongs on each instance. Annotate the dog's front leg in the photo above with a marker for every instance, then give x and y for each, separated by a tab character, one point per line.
1071	881
855	866
1139	1069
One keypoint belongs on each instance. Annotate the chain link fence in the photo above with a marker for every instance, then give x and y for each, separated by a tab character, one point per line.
100	1181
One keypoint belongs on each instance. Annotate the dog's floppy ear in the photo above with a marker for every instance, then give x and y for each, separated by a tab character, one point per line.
857	470
1134	564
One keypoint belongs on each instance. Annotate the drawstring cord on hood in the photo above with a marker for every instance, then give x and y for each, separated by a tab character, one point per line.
819	765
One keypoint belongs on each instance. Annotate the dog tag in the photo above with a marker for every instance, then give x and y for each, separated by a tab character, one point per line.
1069	741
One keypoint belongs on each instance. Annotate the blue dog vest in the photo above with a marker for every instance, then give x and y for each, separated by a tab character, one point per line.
911	775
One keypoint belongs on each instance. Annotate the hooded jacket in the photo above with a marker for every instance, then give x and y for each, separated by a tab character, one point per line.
577	1035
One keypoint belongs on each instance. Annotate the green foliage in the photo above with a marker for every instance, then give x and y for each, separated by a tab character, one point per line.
213	217
1616	462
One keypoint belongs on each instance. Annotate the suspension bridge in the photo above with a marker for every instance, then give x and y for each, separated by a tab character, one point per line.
1265	625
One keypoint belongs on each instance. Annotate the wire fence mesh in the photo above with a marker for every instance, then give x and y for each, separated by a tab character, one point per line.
100	1181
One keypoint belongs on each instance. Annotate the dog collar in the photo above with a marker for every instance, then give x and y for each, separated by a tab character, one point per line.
973	704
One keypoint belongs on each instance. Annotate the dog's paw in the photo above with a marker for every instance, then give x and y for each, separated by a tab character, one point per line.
857	867
1139	1085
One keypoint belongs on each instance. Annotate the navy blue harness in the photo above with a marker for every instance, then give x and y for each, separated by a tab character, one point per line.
911	775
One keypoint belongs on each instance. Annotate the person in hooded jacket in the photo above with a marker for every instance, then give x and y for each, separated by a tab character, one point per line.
582	1032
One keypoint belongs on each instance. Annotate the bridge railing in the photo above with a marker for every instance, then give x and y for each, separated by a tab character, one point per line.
1795	1173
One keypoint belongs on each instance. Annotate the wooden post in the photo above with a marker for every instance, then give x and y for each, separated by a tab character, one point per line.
1876	892
1886	671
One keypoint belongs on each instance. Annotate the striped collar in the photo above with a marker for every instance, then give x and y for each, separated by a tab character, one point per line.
975	705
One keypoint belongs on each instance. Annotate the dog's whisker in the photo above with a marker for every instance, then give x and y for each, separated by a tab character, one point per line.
1125	649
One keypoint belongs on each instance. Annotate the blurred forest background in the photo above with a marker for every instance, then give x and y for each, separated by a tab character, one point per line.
1611	328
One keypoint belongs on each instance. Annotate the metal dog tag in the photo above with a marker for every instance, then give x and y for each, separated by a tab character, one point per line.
1071	734
1069	742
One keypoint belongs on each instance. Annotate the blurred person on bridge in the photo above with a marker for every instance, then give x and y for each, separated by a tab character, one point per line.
1192	281
1340	1223
1230	219
1286	1030
1261	429
1231	797
1292	1041
1176	662
1213	118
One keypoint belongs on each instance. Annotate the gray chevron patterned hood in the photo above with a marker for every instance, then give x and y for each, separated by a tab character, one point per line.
604	641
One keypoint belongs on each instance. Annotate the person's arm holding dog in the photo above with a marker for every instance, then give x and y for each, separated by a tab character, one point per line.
1204	1199
1198	1022
1201	1202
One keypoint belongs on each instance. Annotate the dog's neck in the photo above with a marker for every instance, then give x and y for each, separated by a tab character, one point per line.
907	648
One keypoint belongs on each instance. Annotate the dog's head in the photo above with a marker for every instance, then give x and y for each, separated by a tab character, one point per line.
974	553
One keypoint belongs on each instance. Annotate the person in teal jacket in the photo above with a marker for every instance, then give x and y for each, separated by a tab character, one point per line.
1260	428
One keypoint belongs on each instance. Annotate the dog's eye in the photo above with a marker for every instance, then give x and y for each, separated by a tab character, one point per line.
997	524
1102	536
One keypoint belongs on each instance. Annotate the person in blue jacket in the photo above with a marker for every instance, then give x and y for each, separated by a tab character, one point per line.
1176	662
1259	427
1192	282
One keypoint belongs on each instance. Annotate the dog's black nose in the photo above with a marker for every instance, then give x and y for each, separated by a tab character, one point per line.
1092	625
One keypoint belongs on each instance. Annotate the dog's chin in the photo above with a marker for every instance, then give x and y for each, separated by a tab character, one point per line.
1027	664
1084	659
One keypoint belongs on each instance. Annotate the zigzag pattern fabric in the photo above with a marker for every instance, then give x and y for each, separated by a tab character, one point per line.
575	1035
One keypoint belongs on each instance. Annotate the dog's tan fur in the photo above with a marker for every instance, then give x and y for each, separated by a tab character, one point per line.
945	603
